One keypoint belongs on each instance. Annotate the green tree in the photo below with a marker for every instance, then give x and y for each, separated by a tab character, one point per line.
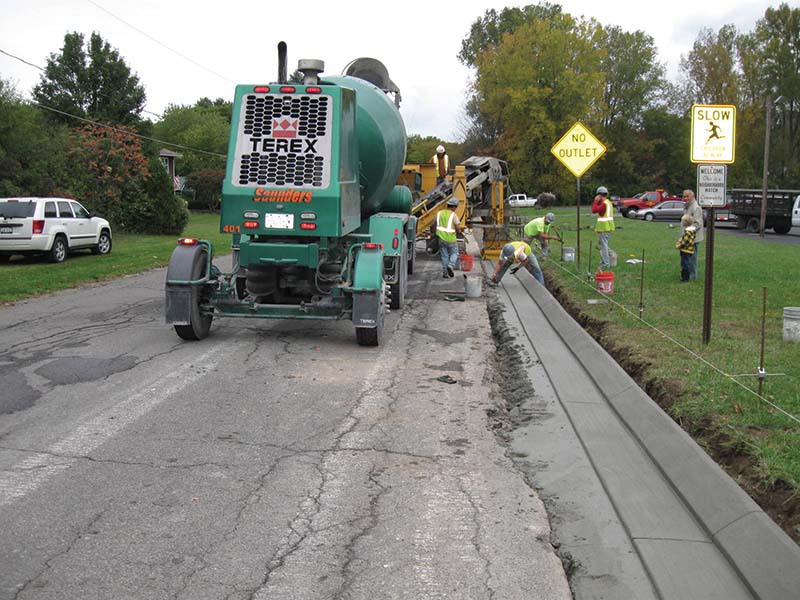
537	82
710	69
205	126
90	80
207	185
32	152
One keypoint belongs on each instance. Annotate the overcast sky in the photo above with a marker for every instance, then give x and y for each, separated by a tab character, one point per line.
215	45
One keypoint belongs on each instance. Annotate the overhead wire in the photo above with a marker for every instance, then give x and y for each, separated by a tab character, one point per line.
681	345
163	45
22	60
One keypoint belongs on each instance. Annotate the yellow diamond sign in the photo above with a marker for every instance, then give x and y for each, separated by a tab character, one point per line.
578	149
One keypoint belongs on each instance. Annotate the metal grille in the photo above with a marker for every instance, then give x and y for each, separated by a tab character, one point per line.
284	141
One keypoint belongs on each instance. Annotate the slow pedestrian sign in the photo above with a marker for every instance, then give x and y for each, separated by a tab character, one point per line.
578	149
713	133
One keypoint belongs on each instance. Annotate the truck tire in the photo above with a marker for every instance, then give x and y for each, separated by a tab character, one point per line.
631	212
753	225
199	323
372	336
782	228
398	290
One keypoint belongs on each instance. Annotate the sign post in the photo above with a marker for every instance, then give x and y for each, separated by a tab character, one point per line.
578	150
713	145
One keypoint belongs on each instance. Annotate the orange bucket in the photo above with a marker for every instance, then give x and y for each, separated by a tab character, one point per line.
466	262
604	282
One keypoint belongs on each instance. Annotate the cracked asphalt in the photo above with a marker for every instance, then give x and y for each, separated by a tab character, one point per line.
275	459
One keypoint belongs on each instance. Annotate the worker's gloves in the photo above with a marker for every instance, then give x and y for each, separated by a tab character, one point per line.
514	270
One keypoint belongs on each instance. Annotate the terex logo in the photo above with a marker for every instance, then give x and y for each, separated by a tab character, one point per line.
285	128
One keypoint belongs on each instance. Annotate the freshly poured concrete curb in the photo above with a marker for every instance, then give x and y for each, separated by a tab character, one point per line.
767	560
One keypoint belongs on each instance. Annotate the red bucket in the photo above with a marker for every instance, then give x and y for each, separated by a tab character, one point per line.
604	282
466	262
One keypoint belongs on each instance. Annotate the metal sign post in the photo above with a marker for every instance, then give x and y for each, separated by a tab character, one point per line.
711	187
578	150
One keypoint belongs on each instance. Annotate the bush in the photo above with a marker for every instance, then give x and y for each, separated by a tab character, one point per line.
157	209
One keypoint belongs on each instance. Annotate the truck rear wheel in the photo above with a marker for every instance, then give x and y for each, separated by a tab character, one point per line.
782	228
753	225
199	323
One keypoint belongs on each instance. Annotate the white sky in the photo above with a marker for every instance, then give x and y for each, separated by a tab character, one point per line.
235	41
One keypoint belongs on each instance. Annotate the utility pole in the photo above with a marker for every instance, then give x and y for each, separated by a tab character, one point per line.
763	222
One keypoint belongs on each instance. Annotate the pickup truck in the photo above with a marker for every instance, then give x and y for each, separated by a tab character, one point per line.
628	207
746	205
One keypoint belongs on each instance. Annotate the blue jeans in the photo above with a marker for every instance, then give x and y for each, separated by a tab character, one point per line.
448	252
693	264
602	244
686	265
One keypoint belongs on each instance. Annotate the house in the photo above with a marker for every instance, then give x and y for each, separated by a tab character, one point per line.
168	159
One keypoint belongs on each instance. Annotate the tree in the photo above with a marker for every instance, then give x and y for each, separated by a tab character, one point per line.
205	126
207	185
710	68
32	154
91	81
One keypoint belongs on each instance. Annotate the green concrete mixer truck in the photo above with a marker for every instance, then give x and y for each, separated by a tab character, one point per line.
319	228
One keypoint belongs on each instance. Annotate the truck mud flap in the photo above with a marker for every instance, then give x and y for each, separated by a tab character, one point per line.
366	309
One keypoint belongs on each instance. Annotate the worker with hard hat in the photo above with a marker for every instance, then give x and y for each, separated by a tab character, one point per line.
517	252
604	210
442	162
447	229
539	229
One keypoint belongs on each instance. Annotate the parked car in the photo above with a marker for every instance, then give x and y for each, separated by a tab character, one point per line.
519	200
670	210
51	226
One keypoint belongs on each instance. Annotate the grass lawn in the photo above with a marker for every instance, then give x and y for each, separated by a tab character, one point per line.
707	395
31	276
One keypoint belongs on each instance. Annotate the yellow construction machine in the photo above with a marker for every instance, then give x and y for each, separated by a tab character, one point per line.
478	183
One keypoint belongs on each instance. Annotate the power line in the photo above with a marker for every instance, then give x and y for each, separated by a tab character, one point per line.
150	37
123	131
686	349
22	60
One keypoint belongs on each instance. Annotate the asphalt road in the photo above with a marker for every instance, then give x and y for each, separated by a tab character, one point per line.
275	459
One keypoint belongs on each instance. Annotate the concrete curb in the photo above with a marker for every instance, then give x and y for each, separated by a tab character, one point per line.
767	559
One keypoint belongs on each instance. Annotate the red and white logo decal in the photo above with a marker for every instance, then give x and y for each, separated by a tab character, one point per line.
284	128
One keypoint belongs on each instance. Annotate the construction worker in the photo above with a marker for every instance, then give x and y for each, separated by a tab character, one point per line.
539	229
516	252
447	229
442	162
605	225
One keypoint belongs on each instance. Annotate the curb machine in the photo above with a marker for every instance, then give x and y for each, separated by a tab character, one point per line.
320	230
478	183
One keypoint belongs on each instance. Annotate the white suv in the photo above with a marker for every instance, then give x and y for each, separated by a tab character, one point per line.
52	226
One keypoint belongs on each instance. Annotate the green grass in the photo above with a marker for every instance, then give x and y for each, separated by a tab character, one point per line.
742	267
33	276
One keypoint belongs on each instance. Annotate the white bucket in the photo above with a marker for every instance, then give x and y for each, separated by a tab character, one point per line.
568	254
472	287
612	258
791	323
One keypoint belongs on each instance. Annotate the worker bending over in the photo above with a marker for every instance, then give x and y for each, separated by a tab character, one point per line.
516	252
539	229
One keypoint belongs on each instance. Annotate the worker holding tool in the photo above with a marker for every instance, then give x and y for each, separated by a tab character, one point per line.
539	229
447	229
516	252
442	162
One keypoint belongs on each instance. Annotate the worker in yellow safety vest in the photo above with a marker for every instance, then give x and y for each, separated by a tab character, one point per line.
604	210
539	229
447	229
442	162
516	252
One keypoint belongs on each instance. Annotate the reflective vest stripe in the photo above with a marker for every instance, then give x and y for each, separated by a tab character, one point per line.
606	222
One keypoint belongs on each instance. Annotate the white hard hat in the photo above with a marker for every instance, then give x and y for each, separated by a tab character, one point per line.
452	202
601	190
439	149
549	217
